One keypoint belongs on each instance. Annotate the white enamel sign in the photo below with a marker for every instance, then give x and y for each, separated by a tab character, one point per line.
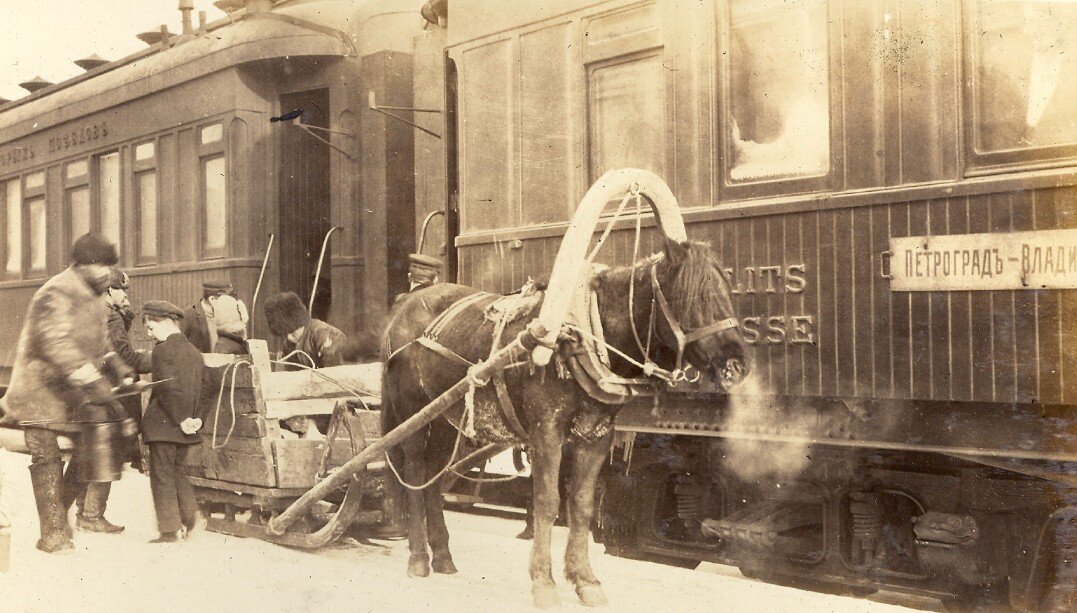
1045	259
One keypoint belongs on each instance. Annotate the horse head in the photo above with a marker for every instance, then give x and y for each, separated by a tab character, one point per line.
695	315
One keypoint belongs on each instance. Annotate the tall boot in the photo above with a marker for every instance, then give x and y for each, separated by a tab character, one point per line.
47	479
92	517
74	492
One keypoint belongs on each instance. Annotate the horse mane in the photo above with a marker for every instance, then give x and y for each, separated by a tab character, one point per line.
692	290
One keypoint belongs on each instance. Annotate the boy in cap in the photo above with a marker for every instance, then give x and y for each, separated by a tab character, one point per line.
170	425
218	322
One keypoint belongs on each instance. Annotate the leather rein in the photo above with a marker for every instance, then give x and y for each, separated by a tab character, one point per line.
681	371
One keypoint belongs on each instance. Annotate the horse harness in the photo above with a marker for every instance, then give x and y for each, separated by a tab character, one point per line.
429	339
586	354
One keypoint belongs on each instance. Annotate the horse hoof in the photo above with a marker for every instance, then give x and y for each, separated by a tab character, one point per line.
526	534
419	566
444	566
546	597
592	595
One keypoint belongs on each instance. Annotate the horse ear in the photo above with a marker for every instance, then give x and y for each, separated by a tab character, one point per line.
676	251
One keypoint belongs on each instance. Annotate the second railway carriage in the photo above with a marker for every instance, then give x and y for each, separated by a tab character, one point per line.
171	153
892	188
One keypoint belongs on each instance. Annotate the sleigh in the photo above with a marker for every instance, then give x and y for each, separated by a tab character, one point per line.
249	467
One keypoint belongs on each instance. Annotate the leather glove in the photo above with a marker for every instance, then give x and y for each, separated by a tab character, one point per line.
118	370
97	392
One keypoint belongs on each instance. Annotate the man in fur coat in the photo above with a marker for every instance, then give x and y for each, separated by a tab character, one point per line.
58	381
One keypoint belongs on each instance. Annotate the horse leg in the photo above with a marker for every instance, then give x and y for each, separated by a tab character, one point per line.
545	466
414	474
438	532
587	460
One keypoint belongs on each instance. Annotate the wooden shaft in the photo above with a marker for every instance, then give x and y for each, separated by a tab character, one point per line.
261	275
318	271
482	371
476	458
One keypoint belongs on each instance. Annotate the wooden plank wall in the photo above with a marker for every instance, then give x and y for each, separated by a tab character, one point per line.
989	346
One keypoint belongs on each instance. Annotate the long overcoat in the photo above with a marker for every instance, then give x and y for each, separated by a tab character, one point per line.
195	326
64	331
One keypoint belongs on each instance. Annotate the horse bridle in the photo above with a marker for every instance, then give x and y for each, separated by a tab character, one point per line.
680	373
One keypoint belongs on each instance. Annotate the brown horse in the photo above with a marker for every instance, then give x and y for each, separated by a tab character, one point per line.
552	406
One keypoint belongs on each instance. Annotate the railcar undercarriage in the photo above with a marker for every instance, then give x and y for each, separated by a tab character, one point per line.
851	520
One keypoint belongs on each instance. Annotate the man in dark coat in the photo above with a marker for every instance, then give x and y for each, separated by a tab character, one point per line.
423	271
308	342
120	318
218	322
320	342
57	381
170	424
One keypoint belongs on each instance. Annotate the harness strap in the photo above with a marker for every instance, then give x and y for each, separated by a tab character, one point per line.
684	339
429	340
678	333
508	409
715	328
443	351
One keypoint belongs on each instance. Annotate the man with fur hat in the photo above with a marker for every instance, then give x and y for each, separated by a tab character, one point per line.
218	322
58	381
307	341
288	318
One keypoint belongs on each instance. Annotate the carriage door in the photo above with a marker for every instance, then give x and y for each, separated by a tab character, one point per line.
304	200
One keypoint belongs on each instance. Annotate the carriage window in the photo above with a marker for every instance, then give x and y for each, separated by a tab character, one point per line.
38	232
211	133
1025	56
35	181
75	170
146	196
144	152
78	206
13	215
108	195
779	120
628	113
213	198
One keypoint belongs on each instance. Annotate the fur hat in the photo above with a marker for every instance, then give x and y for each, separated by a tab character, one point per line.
285	313
162	309
93	249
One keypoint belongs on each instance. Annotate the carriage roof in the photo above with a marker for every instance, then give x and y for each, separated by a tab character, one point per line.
326	28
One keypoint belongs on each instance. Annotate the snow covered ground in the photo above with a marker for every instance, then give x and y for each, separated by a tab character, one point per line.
220	573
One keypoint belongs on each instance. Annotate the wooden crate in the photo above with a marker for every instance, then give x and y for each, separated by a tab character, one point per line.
241	436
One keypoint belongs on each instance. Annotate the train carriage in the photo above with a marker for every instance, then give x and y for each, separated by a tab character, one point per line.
891	186
171	153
